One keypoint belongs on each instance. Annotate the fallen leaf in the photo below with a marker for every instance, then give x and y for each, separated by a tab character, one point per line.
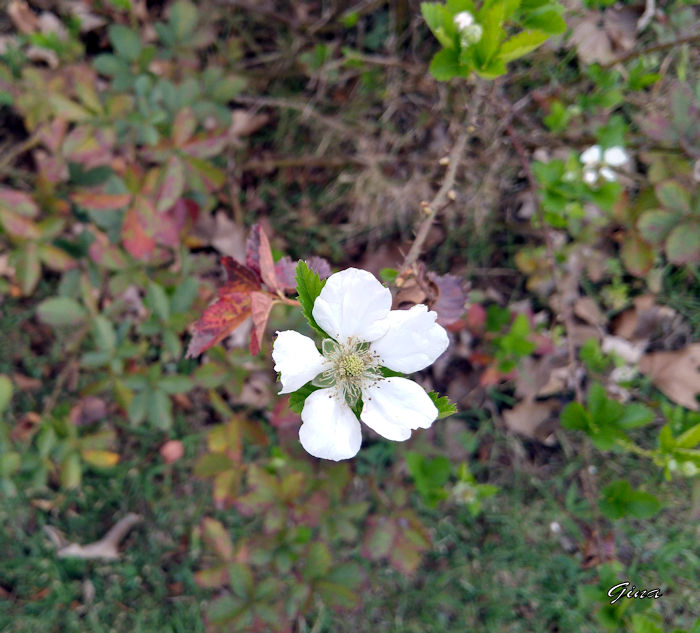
676	374
587	310
527	418
90	409
591	41
26	426
171	451
244	123
24	19
620	24
106	548
450	297
26	383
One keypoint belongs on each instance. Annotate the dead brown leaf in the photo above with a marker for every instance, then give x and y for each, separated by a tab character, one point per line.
25	427
90	409
587	310
591	41
620	24
24	19
244	123
527	418
676	374
106	548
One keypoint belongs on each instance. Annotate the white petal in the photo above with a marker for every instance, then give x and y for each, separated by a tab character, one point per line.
615	156
608	173
589	175
592	155
414	340
353	304
394	406
330	429
297	360
463	19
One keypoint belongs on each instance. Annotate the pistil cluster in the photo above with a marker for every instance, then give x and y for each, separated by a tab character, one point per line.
349	367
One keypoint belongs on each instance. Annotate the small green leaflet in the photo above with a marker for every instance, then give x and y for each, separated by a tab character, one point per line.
309	286
298	398
444	406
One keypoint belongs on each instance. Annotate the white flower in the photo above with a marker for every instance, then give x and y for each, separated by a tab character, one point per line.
355	310
470	33
463	20
597	163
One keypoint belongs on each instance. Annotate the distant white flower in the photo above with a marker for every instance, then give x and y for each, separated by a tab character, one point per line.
463	20
355	310
469	31
597	163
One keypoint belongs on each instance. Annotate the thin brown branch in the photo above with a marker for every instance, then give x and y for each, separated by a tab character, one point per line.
633	54
442	198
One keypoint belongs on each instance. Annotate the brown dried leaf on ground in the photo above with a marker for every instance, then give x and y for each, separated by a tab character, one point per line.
676	374
528	417
591	41
620	24
23	18
106	548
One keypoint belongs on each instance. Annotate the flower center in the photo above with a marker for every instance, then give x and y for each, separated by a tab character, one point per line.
350	366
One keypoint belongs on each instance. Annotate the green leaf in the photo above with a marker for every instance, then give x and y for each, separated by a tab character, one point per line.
61	312
126	42
444	406
71	471
104	334
687	439
5	392
184	295
683	243
298	397
643	505
615	499
160	409
157	301
445	65
575	417
521	44
241	579
635	415
655	225
309	286
318	561
176	383
183	19
673	196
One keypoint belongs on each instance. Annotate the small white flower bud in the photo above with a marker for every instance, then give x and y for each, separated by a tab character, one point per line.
463	20
471	35
554	527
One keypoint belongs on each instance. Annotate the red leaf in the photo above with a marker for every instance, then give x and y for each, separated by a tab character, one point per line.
240	278
18	226
137	229
218	321
100	201
106	254
206	146
259	257
261	303
18	202
183	126
172	184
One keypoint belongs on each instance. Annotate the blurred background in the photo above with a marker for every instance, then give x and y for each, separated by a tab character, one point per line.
547	154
